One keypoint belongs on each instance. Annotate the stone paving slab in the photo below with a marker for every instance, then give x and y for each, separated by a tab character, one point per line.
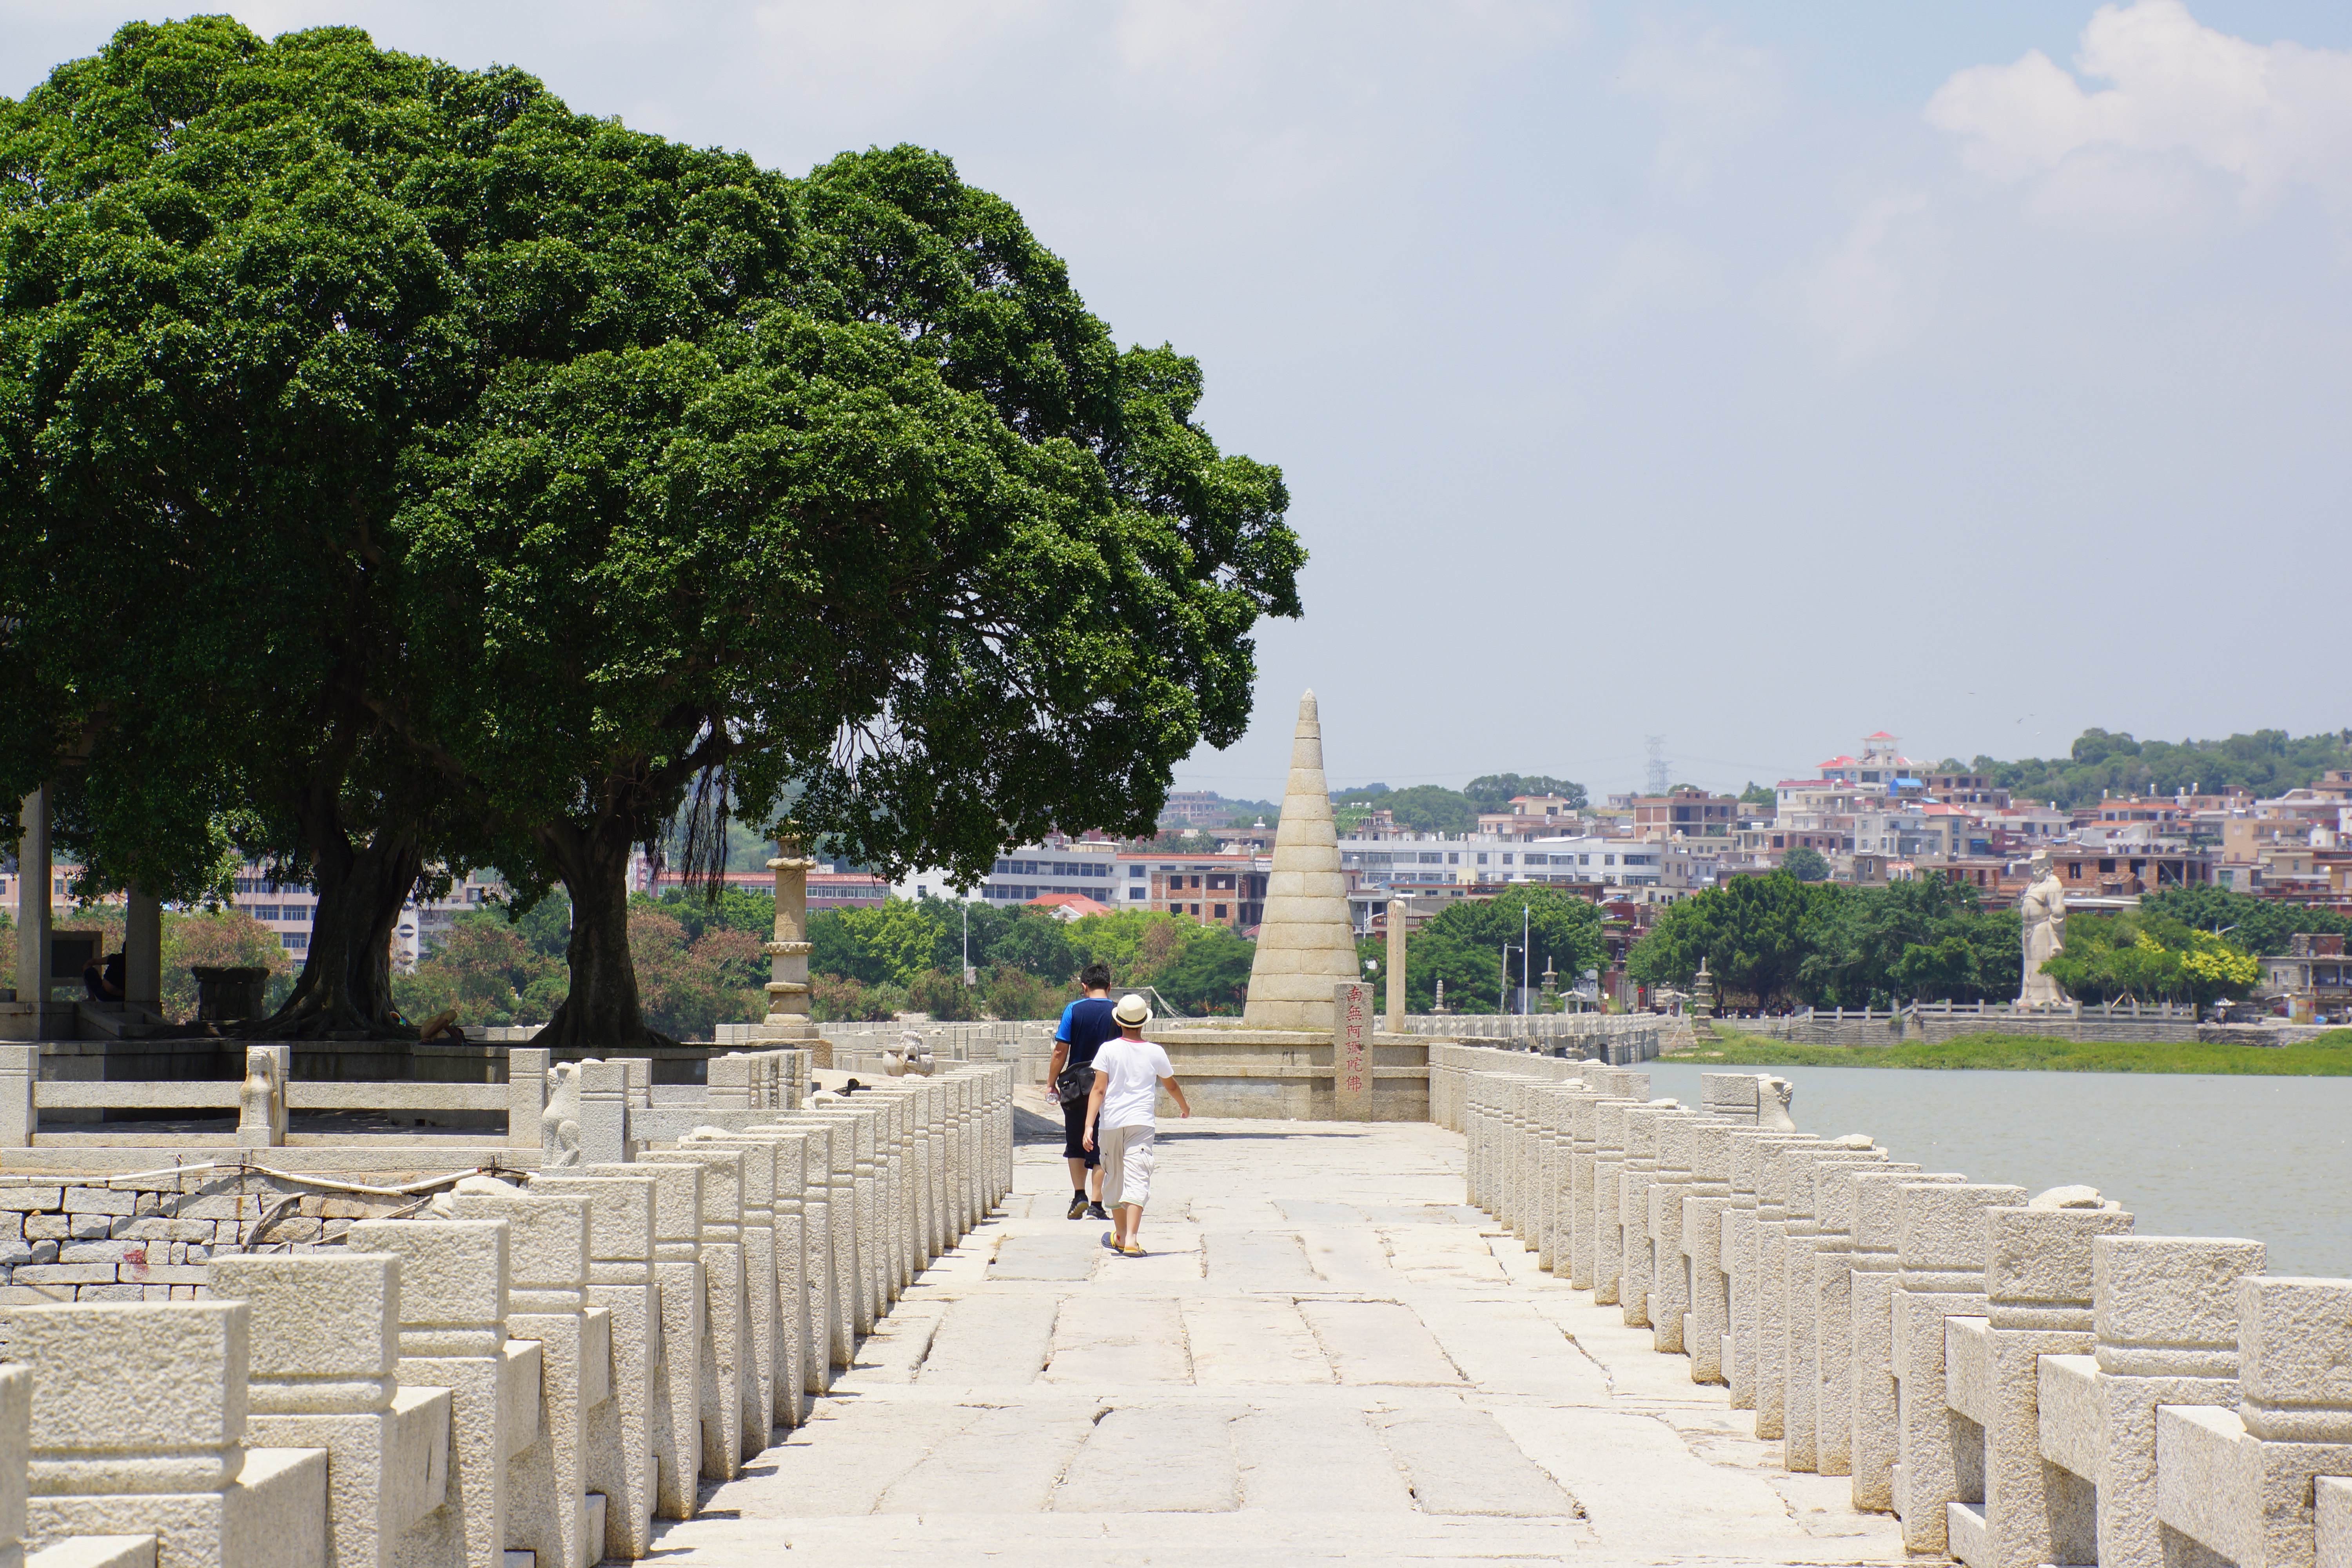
1325	1357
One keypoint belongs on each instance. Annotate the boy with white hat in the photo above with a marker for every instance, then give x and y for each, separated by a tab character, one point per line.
1130	1073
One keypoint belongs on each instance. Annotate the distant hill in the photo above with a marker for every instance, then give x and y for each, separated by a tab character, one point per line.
2267	763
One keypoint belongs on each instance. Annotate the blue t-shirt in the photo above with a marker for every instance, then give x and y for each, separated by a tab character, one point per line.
1086	1024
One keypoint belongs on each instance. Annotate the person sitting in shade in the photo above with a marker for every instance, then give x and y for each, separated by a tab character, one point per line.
103	981
1130	1073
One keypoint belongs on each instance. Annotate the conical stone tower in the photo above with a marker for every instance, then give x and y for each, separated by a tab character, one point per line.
1305	944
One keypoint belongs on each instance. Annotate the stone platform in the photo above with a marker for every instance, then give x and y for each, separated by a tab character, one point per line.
1287	1074
1326	1357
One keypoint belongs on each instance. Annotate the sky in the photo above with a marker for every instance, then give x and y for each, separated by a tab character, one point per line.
1750	375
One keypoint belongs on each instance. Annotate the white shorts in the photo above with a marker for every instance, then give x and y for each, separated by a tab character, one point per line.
1126	1164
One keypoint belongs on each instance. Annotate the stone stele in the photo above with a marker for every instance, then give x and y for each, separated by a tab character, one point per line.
1305	944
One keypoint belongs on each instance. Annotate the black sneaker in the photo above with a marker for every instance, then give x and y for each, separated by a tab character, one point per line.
1078	1208
1095	1211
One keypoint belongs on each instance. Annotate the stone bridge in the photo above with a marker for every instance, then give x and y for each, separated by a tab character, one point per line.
1560	1319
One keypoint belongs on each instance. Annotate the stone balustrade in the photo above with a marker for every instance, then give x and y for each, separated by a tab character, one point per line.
2019	1378
526	1362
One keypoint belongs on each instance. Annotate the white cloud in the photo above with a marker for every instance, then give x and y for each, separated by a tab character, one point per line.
2264	116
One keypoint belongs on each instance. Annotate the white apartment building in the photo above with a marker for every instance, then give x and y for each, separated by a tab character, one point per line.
421	926
1492	857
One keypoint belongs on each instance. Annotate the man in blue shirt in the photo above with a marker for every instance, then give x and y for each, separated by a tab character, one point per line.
1086	1024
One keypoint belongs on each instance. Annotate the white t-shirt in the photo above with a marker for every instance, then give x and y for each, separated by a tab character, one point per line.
1135	1068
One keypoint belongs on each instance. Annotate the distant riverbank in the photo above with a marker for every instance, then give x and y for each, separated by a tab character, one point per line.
2329	1056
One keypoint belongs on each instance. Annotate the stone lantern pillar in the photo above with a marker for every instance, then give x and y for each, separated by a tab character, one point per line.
788	954
1397	917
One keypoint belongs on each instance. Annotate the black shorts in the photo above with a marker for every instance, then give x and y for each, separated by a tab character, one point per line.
1073	1135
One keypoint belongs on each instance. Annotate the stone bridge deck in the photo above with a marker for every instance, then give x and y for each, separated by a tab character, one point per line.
1325	1356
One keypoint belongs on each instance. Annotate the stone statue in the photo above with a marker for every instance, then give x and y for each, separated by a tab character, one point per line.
559	1124
260	1103
2043	909
1772	1098
912	1053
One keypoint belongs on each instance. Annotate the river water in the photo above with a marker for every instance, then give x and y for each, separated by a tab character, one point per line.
2189	1155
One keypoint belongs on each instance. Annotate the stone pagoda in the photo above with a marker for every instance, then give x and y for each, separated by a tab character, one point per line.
788	954
1280	1058
1306	943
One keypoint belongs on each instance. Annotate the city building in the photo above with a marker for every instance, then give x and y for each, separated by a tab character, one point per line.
1531	817
422	927
1686	811
2127	872
1196	808
1215	889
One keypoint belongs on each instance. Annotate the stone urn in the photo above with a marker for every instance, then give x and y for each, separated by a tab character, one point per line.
228	993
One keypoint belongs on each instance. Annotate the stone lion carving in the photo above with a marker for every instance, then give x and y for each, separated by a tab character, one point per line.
912	1053
559	1124
1772	1098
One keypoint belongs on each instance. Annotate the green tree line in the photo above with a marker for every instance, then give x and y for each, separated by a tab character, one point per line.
1463	945
1775	941
699	962
2267	763
1433	808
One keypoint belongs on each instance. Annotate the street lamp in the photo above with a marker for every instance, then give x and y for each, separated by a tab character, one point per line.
1503	975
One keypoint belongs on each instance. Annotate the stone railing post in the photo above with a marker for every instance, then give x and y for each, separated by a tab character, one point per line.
730	1083
138	1425
1741	1286
830	1209
547	1304
2245	1483
1729	1095
1705	1199
604	1113
1797	1307
1557	1142
16	1443
859	1126
730	1380
1608	1194
1942	1249
774	1267
620	1442
2038	1288
526	1094
453	1335
20	1069
1764	1353
677	1439
1835	1191
1638	1266
324	1351
1872	1429
2164	1319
